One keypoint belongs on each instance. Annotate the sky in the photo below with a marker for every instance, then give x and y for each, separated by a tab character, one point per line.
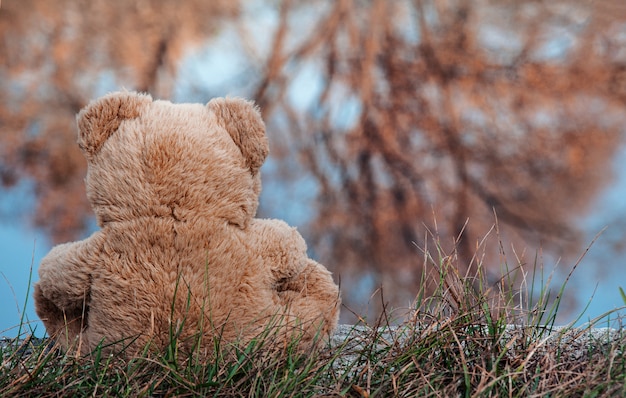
595	283
22	249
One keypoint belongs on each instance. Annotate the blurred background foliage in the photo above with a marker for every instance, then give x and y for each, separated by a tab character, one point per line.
391	122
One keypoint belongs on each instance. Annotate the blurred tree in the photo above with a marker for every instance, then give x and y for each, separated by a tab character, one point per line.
454	111
414	117
57	55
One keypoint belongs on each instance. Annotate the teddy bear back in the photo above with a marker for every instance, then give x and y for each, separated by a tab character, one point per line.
161	160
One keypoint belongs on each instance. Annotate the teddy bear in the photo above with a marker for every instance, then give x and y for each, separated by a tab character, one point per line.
179	255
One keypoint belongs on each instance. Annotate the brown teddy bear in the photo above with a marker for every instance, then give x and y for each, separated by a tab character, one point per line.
179	253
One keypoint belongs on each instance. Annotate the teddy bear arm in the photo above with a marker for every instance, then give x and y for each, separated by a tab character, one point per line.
313	301
281	248
65	275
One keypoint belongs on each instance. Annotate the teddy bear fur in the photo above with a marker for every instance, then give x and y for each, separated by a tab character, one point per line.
175	189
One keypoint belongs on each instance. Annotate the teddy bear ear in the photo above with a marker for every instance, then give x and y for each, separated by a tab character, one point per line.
101	117
243	122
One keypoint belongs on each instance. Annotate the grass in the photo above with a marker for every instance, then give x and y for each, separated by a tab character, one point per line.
457	342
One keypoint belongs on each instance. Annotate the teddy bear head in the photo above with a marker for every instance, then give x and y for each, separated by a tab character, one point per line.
158	159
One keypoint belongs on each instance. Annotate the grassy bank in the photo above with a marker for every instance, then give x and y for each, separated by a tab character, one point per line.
457	341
